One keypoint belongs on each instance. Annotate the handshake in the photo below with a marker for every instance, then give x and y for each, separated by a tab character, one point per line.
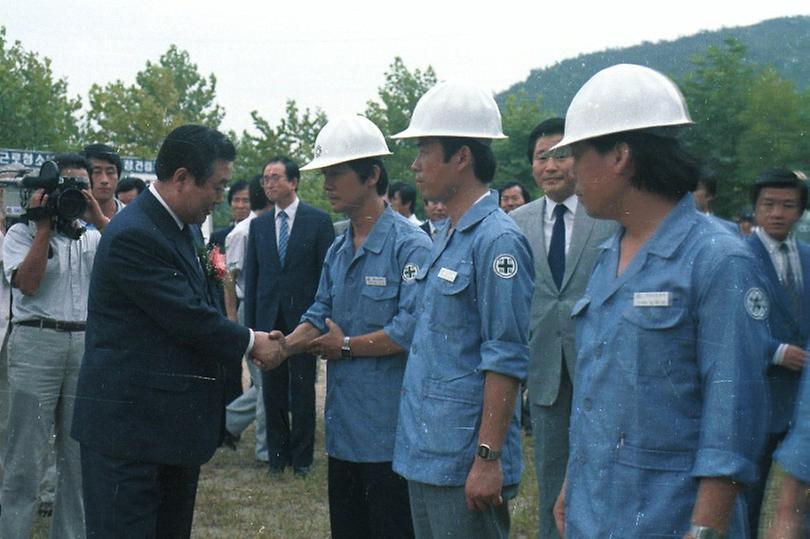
269	349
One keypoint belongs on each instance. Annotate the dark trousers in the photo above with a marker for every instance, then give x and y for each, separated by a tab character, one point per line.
289	405
125	498
368	500
755	493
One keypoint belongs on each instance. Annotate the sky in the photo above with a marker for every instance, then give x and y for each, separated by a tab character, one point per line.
334	55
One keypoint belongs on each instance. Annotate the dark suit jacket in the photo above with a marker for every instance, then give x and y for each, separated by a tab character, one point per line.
783	383
150	385
218	237
271	289
426	227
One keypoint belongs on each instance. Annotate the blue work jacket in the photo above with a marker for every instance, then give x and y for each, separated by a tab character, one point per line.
472	317
669	385
362	291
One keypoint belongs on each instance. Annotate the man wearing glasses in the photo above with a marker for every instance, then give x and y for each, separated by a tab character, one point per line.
285	253
564	242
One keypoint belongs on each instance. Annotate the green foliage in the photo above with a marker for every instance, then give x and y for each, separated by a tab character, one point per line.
520	114
391	112
136	118
35	109
747	119
294	136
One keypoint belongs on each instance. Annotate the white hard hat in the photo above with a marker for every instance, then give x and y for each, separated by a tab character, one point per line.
454	109
624	97
347	138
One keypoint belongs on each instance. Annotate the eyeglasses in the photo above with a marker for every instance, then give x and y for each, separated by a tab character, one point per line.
272	178
557	153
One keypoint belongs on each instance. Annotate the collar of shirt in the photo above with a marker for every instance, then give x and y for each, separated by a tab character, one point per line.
376	238
154	191
290	210
572	203
773	245
482	207
436	225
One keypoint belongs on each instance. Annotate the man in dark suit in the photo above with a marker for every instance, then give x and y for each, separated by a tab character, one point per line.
437	217
149	399
780	198
285	253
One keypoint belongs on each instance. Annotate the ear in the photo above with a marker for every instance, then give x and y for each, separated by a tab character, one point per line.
621	159
374	178
181	177
463	158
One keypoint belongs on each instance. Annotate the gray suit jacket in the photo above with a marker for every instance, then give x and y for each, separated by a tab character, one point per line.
551	330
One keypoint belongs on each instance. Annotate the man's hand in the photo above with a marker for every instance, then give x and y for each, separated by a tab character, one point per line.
329	344
484	484
93	213
269	349
794	358
559	510
39	200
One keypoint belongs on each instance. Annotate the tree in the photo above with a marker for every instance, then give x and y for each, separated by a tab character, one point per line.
520	114
35	109
392	112
716	94
166	94
294	136
774	129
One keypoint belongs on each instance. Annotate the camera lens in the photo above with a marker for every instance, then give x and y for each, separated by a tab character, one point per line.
70	204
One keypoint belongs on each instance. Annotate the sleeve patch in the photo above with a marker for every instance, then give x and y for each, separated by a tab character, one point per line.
505	266
757	304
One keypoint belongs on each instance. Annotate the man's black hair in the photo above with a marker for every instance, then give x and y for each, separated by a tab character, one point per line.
238	185
407	194
780	178
662	166
258	198
104	152
73	160
290	168
524	192
129	183
483	159
546	128
365	168
193	147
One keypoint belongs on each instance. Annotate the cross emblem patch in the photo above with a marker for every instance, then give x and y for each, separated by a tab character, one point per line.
409	272
505	266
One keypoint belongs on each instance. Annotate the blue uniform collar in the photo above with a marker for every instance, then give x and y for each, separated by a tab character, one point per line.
672	231
376	238
478	211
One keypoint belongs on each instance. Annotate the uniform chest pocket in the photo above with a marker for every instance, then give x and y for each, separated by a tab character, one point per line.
451	301
379	304
653	339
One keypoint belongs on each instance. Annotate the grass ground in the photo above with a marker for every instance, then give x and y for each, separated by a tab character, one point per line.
237	499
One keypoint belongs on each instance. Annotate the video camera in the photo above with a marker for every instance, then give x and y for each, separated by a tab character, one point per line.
65	198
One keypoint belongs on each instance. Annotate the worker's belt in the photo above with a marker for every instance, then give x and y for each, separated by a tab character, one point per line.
58	325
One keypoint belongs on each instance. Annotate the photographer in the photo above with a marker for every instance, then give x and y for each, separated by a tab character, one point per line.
48	262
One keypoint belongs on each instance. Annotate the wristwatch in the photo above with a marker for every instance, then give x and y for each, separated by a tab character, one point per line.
704	532
487	453
346	349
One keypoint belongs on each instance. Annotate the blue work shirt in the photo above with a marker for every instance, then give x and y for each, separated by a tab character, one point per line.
794	453
670	384
363	291
473	317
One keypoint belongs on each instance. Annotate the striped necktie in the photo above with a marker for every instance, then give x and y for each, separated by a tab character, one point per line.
283	236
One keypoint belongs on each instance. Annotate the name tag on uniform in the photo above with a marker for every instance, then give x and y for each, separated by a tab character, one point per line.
447	274
652	299
375	281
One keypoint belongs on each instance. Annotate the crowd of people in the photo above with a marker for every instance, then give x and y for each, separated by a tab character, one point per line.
662	347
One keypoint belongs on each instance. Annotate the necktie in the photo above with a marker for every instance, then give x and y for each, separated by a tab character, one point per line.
790	284
556	249
283	236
